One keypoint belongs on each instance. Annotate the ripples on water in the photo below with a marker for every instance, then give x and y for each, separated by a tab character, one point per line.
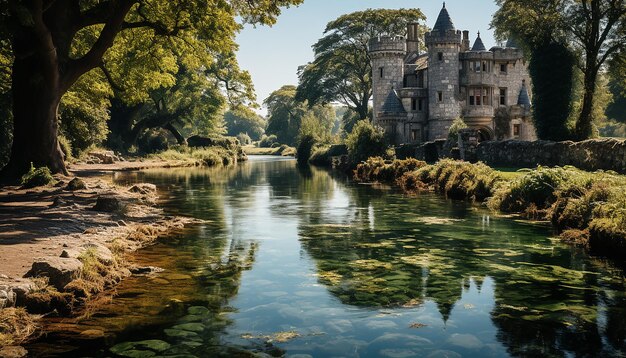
297	262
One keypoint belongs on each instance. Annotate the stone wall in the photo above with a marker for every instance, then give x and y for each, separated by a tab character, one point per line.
593	154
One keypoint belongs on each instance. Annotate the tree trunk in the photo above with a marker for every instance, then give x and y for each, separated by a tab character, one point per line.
584	124
36	97
179	137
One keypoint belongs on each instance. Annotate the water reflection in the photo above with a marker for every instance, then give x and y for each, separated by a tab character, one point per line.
351	270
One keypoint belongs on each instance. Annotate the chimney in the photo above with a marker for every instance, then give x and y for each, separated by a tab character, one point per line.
412	38
465	44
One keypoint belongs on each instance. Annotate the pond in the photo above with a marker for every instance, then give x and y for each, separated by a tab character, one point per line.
302	263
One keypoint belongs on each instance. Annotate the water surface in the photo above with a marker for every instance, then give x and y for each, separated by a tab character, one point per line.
297	262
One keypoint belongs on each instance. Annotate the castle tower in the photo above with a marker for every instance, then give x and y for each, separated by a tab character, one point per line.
444	44
387	54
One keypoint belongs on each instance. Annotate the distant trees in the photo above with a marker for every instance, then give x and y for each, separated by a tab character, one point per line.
593	31
341	71
244	120
289	118
54	43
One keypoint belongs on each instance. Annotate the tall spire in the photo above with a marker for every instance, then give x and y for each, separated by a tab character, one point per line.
523	99
478	44
444	22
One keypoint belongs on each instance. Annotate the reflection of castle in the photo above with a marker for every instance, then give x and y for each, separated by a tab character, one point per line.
418	95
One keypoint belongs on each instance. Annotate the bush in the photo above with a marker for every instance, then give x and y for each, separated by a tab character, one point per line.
267	141
244	138
37	177
66	147
378	170
455	127
305	147
323	156
153	141
365	141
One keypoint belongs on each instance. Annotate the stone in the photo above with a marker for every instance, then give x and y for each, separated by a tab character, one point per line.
76	184
13	352
59	271
58	201
106	157
3	276
191	327
145	270
198	311
109	203
102	252
143	188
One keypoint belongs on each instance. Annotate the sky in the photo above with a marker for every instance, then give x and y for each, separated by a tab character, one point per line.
272	54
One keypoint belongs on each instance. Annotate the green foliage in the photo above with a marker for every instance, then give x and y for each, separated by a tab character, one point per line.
153	141
66	147
244	120
305	147
37	177
365	141
341	71
267	141
552	68
206	156
376	169
323	155
289	118
457	125
244	139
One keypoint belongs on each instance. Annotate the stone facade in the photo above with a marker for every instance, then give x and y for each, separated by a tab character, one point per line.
446	82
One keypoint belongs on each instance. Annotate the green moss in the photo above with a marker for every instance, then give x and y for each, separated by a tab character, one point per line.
37	177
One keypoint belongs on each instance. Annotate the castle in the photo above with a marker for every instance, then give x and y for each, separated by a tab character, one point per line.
418	95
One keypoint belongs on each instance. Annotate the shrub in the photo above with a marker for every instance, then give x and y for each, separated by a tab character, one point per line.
536	187
455	127
323	155
267	141
153	141
365	141
37	177
460	180
305	147
379	170
66	147
244	138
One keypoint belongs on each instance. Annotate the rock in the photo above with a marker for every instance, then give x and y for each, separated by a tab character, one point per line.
198	311
143	188
102	252
191	327
106	157
4	276
145	270
91	230
76	184
58	201
60	271
108	203
179	333
7	298
13	352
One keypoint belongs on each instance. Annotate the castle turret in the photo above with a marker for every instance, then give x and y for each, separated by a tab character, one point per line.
387	54
444	45
412	39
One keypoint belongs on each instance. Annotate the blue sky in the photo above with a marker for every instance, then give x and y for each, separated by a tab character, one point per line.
273	54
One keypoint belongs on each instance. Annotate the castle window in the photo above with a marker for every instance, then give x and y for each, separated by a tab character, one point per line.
414	104
420	104
517	130
440	96
479	96
416	135
486	66
503	96
440	56
476	66
382	72
503	67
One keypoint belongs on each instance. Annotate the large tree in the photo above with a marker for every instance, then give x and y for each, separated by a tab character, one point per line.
341	71
47	62
594	29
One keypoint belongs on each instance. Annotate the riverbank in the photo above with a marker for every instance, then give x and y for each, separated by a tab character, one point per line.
586	209
64	243
283	150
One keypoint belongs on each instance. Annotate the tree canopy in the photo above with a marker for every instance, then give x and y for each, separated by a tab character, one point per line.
138	45
341	71
594	30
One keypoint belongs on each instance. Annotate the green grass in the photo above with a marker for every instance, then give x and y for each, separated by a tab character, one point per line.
207	156
278	151
37	177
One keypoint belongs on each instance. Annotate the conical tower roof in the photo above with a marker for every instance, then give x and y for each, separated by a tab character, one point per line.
511	42
478	44
523	99
393	104
444	22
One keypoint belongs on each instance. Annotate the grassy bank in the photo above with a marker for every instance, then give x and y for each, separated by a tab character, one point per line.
587	209
202	156
284	150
